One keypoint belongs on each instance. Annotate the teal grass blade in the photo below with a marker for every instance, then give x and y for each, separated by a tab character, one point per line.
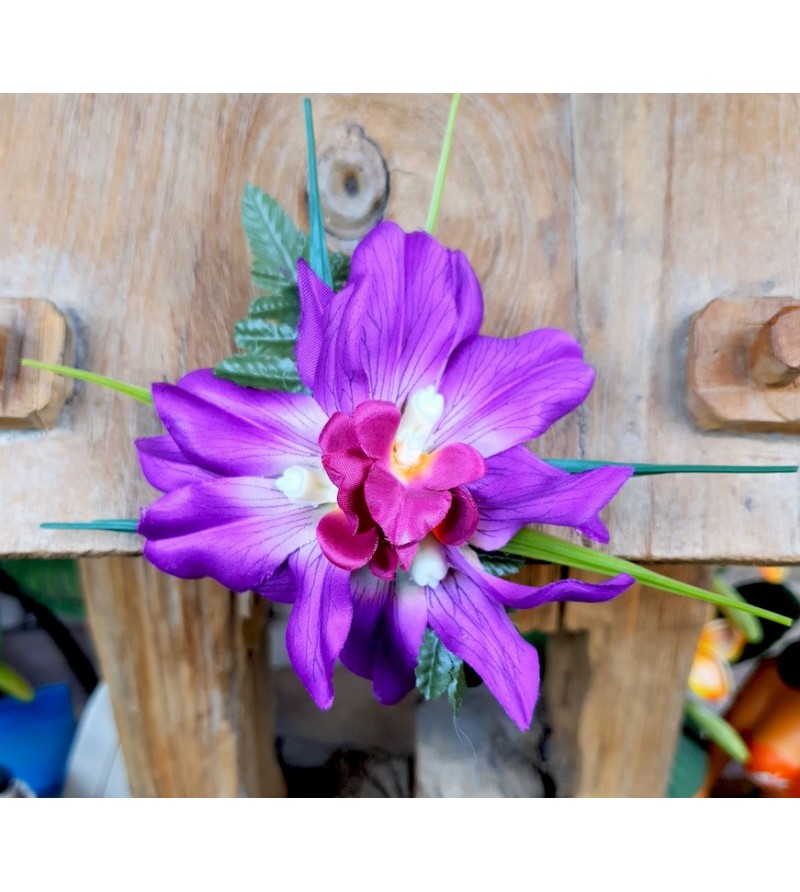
318	258
138	393
538	546
108	526
576	465
444	159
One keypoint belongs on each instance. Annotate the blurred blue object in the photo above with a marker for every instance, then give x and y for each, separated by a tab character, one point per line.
35	738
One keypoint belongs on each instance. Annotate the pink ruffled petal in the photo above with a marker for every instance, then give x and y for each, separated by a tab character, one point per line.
376	426
405	515
341	545
461	519
339	433
451	466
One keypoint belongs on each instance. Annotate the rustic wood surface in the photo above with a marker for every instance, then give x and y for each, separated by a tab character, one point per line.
187	668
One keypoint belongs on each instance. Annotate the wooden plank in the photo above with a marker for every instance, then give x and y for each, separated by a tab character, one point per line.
187	668
615	687
124	211
680	200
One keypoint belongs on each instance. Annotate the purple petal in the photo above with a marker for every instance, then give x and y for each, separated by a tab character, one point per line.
477	629
315	302
280	587
419	301
386	634
520	488
237	431
237	531
522	596
320	621
500	393
165	466
406	515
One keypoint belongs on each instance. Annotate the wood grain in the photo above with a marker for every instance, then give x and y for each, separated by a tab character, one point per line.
187	668
616	684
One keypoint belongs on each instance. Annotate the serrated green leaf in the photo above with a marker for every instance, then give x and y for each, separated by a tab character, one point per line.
748	625
717	730
437	668
13	684
538	546
688	769
499	564
456	689
282	306
340	270
54	583
259	335
261	371
275	242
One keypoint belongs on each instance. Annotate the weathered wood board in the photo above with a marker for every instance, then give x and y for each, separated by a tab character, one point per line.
614	217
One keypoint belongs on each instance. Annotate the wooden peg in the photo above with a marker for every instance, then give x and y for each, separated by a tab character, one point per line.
743	365
36	329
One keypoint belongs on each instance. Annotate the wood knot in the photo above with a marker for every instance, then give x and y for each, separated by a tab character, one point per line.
353	184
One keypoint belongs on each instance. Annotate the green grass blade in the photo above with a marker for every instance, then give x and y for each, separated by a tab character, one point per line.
13	684
444	159
748	625
138	393
538	546
318	259
576	465
716	729
108	526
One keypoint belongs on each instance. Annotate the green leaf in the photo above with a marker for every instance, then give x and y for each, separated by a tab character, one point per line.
748	625
281	306
444	159
54	583
437	669
456	689
576	466
340	270
258	334
138	393
275	242
13	684
499	564
534	545
717	730
688	769
262	371
318	259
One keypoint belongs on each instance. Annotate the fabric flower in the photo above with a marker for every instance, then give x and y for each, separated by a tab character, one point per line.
358	502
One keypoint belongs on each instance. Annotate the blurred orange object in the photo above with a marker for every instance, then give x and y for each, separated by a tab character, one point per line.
775	575
710	677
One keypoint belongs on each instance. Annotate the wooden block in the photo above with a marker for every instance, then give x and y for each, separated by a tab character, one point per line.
186	664
616	686
35	329
743	364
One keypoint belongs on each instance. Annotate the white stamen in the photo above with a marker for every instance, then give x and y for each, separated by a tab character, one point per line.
423	409
306	486
429	566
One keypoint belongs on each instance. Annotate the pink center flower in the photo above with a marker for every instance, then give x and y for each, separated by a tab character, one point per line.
391	492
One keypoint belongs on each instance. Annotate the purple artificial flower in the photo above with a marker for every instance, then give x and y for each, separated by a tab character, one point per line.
358	504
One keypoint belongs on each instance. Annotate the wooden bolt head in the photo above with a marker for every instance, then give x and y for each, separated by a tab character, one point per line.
35	329
775	354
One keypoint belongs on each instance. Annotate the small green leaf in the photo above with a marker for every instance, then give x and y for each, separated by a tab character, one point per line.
263	335
54	583
275	242
281	306
13	684
318	259
748	625
688	769
138	393
499	564
717	730
340	270
576	466
456	689
532	544
261	371
437	669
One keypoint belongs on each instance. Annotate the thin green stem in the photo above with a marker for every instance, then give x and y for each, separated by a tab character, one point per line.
444	158
106	526
319	260
138	393
576	465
